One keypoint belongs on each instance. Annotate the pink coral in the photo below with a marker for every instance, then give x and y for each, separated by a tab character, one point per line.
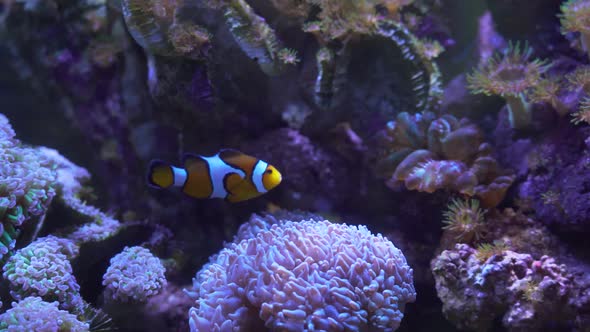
308	275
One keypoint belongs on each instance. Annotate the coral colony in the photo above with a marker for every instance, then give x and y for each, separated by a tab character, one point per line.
294	165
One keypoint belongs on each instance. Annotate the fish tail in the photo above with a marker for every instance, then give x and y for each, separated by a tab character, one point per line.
160	174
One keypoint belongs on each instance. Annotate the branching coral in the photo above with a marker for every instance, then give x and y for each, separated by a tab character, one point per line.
465	219
34	314
27	186
428	153
308	275
43	269
510	75
574	18
134	275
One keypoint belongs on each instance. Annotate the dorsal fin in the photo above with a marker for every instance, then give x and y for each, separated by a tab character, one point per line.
229	153
190	158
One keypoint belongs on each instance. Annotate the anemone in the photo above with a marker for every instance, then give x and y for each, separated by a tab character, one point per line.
583	112
575	17
510	75
547	91
579	78
486	250
465	218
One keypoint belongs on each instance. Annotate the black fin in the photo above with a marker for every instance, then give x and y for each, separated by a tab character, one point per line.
228	153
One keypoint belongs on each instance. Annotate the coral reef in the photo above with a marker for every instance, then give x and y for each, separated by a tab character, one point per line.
27	187
528	294
34	314
427	153
43	269
134	275
297	275
485	198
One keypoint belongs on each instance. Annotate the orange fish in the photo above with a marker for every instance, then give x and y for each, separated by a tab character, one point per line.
230	175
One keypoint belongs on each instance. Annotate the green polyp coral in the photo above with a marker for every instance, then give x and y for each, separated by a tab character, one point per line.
154	26
340	24
575	17
465	219
428	153
510	74
583	113
548	90
27	186
255	37
164	27
487	250
579	78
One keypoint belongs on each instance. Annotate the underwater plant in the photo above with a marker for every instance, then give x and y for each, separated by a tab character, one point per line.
465	219
298	275
429	153
574	17
510	74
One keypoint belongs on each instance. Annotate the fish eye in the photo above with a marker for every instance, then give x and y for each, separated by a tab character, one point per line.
269	171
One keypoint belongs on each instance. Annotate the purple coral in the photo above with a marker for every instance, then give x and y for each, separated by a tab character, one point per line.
529	294
135	274
43	269
27	182
34	314
308	275
69	187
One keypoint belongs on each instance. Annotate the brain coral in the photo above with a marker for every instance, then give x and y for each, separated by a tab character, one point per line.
134	274
304	276
34	314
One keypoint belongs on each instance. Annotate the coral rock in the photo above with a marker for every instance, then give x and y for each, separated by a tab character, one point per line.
528	294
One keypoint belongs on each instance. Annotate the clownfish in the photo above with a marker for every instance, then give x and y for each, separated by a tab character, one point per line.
229	174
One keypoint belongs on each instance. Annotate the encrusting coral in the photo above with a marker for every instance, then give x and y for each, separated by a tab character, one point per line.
303	275
429	153
528	294
134	275
510	74
34	314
